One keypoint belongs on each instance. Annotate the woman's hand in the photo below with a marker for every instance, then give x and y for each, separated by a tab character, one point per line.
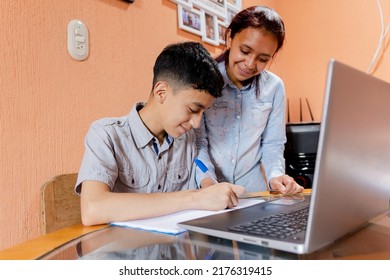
285	185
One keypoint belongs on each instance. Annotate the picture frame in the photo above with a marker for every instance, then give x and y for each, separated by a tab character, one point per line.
184	3
190	20
214	7
210	28
208	19
234	5
230	15
222	26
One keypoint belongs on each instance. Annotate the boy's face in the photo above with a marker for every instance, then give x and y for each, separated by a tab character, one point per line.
183	109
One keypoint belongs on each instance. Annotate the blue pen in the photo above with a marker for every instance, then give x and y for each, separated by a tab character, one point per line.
204	169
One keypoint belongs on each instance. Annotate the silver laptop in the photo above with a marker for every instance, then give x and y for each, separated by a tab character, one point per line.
351	183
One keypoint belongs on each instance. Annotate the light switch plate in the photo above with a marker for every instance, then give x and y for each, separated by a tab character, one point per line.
78	40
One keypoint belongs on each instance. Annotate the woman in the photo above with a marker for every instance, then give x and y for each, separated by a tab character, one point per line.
243	133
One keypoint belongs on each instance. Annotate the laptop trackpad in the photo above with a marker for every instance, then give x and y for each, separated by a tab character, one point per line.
287	201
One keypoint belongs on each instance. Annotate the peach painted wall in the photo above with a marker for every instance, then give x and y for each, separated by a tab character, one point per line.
48	100
347	30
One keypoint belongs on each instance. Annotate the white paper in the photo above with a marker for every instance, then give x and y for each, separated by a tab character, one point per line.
168	223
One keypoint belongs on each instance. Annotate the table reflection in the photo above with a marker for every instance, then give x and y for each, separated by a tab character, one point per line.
119	243
115	242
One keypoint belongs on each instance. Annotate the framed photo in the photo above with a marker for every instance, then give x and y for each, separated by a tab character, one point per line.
190	19
230	15
222	26
210	28
214	7
185	3
235	5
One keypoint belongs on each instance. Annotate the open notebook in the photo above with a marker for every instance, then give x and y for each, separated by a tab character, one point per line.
169	223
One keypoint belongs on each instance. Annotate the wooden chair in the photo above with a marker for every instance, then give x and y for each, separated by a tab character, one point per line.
60	205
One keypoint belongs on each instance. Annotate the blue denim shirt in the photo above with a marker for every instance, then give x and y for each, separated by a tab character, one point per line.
241	131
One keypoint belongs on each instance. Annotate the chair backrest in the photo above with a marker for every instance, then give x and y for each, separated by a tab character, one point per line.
60	205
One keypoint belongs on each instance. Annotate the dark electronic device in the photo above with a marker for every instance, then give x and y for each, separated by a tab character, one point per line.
301	149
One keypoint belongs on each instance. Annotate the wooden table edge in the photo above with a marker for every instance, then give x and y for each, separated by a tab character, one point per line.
33	249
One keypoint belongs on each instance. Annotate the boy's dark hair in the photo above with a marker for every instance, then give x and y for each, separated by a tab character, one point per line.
188	64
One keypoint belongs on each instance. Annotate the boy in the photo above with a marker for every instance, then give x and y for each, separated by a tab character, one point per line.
141	165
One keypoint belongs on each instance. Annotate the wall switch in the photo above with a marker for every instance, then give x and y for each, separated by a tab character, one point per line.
78	40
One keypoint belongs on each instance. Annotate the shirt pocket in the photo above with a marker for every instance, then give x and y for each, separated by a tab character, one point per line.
260	112
176	179
135	180
217	114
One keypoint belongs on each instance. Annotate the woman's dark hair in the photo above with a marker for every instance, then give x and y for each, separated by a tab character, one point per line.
256	17
188	64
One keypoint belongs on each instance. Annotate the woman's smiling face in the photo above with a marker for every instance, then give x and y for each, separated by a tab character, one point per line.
250	52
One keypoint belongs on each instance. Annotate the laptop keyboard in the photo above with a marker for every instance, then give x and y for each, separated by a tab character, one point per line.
279	226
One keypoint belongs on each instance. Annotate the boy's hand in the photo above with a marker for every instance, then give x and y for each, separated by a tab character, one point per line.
207	182
220	196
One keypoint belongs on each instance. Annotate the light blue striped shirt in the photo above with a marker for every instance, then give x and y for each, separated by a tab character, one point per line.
241	131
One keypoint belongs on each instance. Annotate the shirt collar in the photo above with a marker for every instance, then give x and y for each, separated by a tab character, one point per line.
141	134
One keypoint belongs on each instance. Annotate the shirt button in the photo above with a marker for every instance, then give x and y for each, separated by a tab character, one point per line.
238	117
159	157
159	187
